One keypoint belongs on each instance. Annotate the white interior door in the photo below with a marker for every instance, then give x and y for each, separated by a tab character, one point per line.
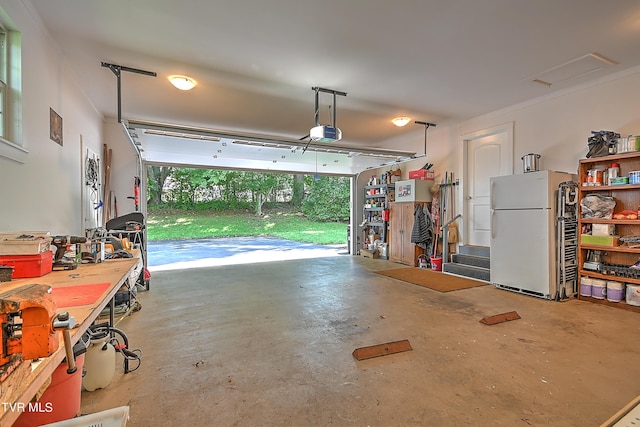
488	153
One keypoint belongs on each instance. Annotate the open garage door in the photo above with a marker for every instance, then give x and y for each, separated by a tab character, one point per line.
202	217
166	144
162	144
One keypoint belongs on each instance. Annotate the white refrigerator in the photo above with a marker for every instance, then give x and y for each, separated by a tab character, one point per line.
523	232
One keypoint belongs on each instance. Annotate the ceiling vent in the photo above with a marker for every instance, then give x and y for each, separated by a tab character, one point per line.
573	69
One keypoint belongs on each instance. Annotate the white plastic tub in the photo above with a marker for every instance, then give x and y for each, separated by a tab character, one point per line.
615	291
633	294
585	286
598	288
116	417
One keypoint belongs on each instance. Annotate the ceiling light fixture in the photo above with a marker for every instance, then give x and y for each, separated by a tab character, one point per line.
401	121
182	82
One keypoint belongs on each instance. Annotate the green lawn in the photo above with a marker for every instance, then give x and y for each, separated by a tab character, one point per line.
172	225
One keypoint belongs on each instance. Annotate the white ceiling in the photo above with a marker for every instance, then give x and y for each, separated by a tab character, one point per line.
255	61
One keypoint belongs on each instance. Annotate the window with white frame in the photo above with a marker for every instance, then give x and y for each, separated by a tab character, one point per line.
3	80
10	85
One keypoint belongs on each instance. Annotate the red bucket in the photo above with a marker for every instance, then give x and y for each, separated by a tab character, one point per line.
59	402
436	263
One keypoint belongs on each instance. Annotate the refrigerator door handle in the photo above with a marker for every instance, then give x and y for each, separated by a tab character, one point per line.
491	195
492	224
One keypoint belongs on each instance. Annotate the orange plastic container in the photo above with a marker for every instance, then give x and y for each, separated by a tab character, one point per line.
59	402
436	263
25	266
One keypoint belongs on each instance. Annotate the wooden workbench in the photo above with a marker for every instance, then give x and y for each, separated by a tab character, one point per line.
28	378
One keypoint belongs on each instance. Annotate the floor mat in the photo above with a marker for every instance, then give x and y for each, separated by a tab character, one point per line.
435	280
73	296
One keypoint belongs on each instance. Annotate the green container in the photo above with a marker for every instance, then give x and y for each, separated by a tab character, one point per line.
588	239
620	180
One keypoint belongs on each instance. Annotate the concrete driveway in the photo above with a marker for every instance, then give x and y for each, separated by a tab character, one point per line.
179	254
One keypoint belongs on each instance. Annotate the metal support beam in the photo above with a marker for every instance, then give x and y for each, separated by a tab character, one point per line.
426	126
334	93
117	71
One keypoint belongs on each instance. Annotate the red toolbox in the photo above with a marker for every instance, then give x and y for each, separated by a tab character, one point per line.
29	265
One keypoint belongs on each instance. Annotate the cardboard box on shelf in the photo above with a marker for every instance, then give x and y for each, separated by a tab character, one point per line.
422	174
603	229
413	190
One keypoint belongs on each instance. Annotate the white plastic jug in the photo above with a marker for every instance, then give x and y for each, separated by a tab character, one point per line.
99	364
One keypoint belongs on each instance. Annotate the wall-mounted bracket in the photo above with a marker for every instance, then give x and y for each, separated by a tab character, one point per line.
117	71
426	125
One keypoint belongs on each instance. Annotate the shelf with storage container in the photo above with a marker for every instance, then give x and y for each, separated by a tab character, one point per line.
375	216
612	262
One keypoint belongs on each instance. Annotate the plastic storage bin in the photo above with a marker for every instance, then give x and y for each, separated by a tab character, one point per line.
615	291
116	417
598	288
585	286
61	400
633	294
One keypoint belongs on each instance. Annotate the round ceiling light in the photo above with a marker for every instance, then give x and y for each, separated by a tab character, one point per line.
182	82
401	121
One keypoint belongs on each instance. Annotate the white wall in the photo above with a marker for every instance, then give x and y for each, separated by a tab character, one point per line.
41	191
556	127
124	166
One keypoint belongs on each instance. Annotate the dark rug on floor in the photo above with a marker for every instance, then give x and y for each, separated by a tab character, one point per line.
435	280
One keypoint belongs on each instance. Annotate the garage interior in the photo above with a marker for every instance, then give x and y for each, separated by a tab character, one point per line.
483	85
271	344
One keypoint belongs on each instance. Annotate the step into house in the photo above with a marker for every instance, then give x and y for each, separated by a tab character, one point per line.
470	261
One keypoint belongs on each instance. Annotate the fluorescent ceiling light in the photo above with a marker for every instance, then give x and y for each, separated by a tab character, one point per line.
401	121
182	82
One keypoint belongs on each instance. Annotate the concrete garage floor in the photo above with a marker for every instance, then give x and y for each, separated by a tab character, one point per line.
269	344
